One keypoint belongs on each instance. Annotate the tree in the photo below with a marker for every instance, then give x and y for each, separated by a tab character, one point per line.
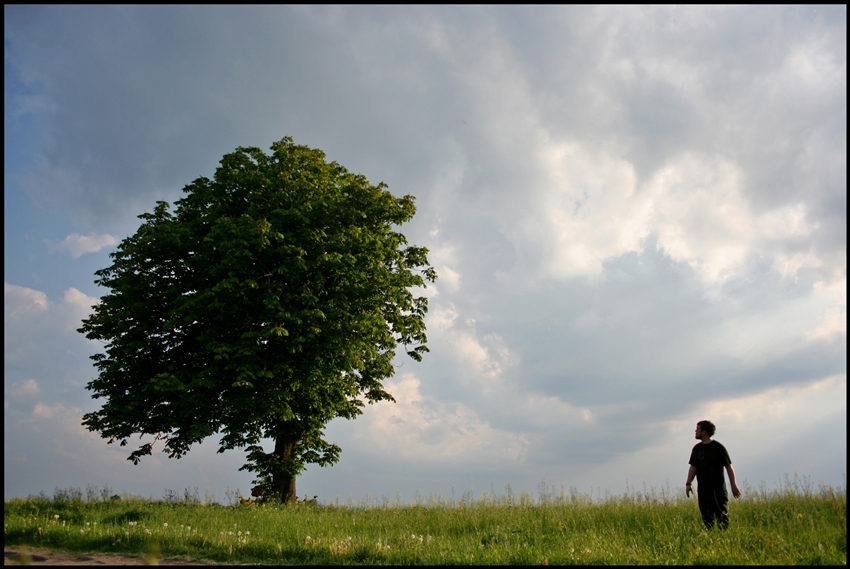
271	301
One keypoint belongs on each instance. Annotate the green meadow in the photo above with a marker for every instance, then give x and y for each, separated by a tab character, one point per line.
793	525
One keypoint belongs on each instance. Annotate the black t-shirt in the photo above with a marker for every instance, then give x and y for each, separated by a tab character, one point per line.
710	459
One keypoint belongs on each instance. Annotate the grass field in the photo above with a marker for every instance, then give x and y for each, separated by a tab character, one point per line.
795	525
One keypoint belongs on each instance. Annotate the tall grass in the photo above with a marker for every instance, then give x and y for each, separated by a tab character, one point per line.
792	525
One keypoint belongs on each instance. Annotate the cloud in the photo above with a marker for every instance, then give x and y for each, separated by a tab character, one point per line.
756	429
43	352
26	388
78	245
450	277
78	304
590	212
703	218
42	411
27	309
418	426
627	207
834	321
21	302
42	436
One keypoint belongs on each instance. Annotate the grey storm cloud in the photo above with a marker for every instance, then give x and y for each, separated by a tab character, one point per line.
625	205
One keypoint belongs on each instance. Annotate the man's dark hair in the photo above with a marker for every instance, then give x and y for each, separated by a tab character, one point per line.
708	427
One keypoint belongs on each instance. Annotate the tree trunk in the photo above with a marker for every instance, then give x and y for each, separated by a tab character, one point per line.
283	483
284	486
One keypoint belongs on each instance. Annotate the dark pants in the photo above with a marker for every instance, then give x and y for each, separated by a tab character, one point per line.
712	506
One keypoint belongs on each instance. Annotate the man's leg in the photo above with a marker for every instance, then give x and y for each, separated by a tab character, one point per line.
705	508
722	502
712	506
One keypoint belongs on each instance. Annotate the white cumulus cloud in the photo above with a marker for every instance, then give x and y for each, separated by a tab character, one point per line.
25	388
78	245
418	426
23	302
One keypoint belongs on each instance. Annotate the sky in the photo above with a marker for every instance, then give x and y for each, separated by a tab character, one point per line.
638	216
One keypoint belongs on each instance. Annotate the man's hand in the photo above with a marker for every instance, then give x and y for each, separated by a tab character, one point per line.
736	491
688	489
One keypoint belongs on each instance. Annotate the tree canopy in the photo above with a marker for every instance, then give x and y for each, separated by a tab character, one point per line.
271	301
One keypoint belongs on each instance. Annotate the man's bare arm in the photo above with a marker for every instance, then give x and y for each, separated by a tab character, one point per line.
692	471
735	490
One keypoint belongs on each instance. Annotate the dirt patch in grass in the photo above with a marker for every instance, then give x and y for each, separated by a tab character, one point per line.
23	556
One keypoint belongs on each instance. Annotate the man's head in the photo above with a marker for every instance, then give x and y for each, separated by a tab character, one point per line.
704	428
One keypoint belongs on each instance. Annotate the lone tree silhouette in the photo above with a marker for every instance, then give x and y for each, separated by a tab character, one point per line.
270	302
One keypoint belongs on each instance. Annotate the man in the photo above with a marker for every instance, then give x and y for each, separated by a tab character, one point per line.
708	458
